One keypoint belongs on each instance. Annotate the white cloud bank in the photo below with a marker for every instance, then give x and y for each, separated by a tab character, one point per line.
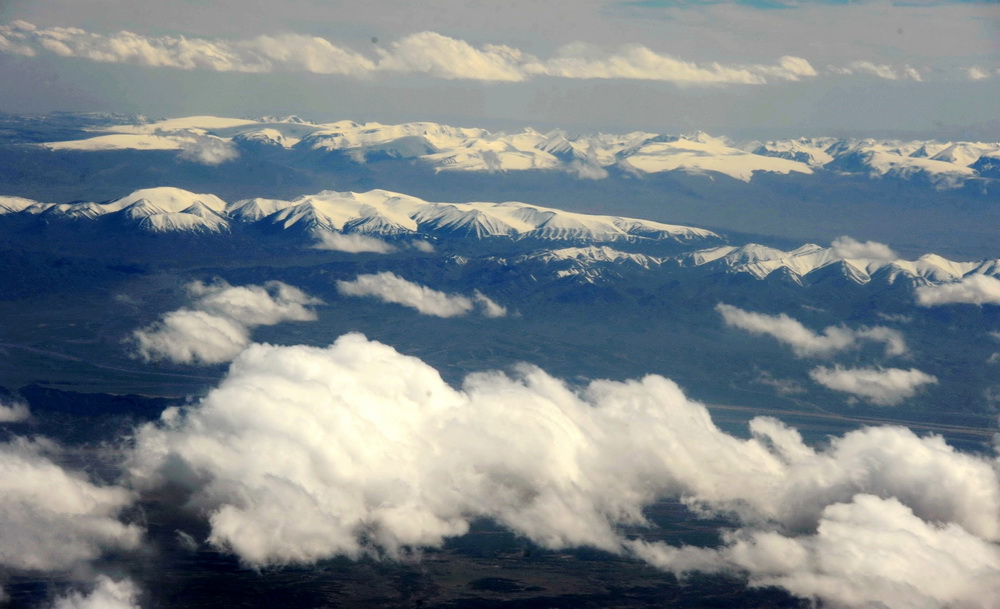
806	343
217	326
885	387
303	453
389	287
972	289
428	53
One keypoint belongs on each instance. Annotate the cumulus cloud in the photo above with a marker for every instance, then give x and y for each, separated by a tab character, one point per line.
846	563
107	594
352	243
14	412
389	287
805	342
885	387
53	519
217	325
973	289
429	53
374	453
846	247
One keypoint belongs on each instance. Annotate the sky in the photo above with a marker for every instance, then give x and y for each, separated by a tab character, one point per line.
753	68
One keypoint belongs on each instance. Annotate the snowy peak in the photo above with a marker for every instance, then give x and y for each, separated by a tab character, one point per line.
167	199
761	262
376	212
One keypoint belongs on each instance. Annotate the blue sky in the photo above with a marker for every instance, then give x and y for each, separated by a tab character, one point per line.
752	67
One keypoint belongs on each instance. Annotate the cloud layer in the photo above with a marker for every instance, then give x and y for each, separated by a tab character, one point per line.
806	343
973	289
389	287
217	325
374	454
427	53
885	387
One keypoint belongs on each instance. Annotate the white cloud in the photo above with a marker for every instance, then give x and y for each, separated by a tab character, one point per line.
640	63
423	246
885	387
488	307
443	57
880	70
977	73
429	53
805	342
389	287
14	412
972	289
870	552
217	327
352	243
53	519
846	247
373	453
205	149
107	594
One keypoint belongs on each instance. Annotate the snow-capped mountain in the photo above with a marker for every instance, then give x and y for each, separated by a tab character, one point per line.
446	148
761	261
376	212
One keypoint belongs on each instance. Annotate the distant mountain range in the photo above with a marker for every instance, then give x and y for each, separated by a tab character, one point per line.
377	212
444	148
540	241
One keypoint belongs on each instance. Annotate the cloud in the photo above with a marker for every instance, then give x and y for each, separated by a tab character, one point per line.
107	594
846	247
206	149
352	243
54	519
14	412
977	73
488	307
885	387
389	287
428	53
880	70
972	289
845	563
805	342
443	57
640	63
218	324
373	453
423	246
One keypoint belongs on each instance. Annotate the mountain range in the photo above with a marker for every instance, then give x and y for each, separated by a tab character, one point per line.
446	148
590	248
